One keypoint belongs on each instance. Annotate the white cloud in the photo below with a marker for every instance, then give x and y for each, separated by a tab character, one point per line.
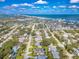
9	7
62	6
41	2
17	5
26	4
73	6
35	7
46	7
54	6
74	1
2	0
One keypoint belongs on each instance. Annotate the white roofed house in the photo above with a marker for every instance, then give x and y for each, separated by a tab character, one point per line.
54	51
65	35
21	39
38	38
76	51
66	39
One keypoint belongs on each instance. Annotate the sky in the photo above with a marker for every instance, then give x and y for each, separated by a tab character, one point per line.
39	6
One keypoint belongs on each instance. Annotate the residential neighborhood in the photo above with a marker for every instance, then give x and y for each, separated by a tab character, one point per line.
36	38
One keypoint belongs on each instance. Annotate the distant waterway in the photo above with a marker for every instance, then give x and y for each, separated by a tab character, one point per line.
66	17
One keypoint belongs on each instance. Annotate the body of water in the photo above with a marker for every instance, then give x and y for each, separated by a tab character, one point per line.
74	17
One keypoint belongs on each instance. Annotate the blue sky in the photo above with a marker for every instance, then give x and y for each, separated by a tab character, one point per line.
39	6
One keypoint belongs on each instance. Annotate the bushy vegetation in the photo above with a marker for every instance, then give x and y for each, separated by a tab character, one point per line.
7	48
20	52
